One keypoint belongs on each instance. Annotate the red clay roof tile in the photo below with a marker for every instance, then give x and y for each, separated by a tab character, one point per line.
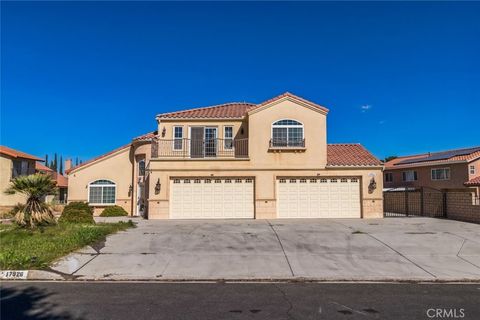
40	167
233	110
473	182
353	154
17	154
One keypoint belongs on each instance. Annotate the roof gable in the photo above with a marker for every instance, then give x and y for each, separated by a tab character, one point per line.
287	96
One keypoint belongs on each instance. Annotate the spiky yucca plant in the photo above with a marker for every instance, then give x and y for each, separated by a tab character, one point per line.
35	187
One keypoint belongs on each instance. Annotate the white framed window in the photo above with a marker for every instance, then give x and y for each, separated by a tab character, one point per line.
410	175
177	138
388	177
287	133
441	174
228	137
471	169
102	192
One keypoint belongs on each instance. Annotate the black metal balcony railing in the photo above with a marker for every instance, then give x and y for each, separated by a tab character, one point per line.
203	148
287	143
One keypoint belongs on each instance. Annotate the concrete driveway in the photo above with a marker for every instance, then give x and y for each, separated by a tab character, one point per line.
320	249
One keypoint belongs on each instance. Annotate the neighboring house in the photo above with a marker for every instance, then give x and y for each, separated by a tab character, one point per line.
13	163
235	160
452	169
62	182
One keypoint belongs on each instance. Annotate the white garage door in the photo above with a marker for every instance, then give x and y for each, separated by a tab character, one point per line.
215	198
318	198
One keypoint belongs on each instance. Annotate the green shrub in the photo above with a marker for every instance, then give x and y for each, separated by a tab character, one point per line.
76	216
79	206
113	211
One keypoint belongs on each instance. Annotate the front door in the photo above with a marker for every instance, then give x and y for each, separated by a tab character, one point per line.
196	142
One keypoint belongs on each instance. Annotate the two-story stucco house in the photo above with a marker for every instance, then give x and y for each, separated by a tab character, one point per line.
236	160
13	163
451	169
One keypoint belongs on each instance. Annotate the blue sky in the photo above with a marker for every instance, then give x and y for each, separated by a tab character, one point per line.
83	78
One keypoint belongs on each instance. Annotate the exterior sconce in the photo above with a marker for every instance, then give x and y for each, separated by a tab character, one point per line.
157	187
373	184
164	131
130	190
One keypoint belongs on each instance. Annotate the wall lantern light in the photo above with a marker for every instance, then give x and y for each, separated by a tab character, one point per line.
164	131
157	187
373	184
130	190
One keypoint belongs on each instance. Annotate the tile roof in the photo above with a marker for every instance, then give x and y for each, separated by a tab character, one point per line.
61	180
145	137
351	154
290	95
473	182
40	167
455	155
17	154
232	110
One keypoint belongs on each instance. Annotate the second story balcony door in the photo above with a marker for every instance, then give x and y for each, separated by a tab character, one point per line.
203	142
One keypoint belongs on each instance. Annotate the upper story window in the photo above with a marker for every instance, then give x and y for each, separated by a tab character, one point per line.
177	138
22	168
287	133
409	175
441	174
388	177
472	169
102	192
228	137
141	167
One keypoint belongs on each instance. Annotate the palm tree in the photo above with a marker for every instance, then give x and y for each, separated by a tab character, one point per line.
35	187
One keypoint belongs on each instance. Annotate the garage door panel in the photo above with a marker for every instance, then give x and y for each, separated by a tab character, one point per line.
318	198
206	198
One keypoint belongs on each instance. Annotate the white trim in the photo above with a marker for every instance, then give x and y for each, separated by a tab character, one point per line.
287	126
225	138
101	185
173	138
470	167
444	168
413	176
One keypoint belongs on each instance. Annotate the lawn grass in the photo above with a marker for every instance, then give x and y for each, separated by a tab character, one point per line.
27	249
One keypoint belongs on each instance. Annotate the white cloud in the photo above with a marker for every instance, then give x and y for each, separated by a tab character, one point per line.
366	107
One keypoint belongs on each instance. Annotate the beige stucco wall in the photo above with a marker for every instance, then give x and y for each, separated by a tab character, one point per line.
265	186
263	165
7	201
116	167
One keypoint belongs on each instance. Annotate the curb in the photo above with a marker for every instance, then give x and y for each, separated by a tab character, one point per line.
44	275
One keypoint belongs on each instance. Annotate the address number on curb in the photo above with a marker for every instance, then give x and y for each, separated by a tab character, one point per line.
13	275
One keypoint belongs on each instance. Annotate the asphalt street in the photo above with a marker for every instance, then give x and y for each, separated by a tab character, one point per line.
153	300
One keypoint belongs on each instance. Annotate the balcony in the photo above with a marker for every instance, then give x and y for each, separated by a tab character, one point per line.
200	149
287	144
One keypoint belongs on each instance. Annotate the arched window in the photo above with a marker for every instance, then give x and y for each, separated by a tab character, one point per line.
287	133
102	192
141	167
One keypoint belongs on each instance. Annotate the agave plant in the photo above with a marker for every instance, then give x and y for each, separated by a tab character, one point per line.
35	187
